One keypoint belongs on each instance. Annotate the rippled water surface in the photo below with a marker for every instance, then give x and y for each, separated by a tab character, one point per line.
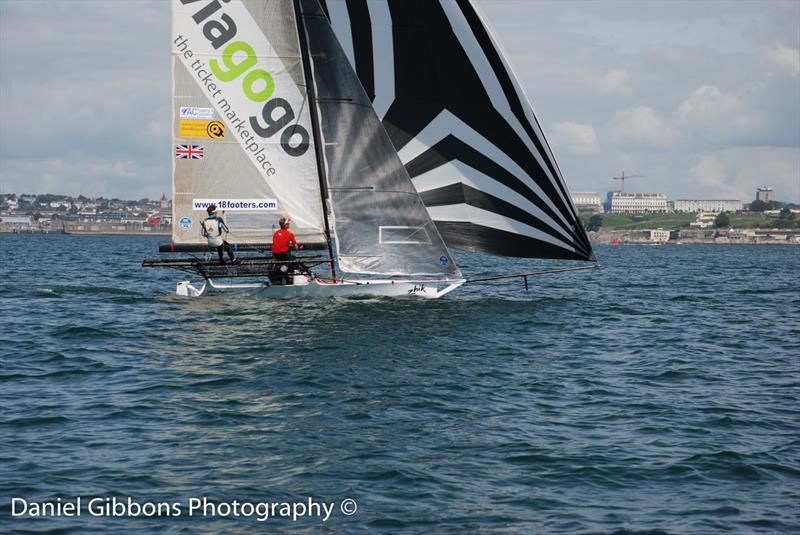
657	394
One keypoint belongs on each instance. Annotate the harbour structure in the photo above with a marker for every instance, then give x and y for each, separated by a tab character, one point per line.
587	202
708	205
637	203
116	227
764	193
15	223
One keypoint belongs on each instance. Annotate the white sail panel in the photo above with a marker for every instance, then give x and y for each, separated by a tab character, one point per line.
240	100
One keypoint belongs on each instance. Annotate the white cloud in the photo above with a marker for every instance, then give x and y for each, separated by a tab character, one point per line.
736	172
575	137
640	127
786	57
615	80
710	174
719	115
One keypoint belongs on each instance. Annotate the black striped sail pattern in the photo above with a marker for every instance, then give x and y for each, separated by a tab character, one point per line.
462	125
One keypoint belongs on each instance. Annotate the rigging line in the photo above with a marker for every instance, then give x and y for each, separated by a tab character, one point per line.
253	245
269	251
533	273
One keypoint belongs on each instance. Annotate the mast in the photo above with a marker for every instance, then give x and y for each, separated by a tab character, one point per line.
311	92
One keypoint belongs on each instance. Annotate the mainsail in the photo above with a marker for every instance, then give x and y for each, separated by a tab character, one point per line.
462	125
241	121
380	222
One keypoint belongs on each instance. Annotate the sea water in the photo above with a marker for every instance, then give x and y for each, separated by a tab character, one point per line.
659	393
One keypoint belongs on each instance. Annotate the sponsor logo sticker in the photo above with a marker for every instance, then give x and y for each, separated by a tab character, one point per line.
189	152
185	223
443	261
195	128
192	112
236	205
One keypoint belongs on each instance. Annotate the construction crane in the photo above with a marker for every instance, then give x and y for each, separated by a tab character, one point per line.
623	177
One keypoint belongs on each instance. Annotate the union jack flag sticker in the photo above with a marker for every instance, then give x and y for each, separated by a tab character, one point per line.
189	152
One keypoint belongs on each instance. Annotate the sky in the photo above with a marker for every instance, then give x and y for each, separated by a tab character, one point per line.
702	98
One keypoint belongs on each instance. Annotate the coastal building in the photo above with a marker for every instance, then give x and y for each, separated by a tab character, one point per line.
11	223
765	194
115	214
116	227
638	203
707	205
587	202
659	236
704	220
164	209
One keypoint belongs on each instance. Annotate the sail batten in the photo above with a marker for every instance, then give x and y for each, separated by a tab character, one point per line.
455	92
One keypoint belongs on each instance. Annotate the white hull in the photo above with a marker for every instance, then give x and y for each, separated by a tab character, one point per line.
317	288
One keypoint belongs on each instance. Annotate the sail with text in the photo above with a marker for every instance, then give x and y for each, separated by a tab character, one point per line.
240	106
462	124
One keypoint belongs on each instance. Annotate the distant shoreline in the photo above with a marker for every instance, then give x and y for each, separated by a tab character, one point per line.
86	233
712	241
706	242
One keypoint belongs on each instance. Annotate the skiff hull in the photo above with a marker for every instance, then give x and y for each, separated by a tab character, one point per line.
317	288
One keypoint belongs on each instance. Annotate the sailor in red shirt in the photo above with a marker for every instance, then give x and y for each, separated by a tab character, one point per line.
283	240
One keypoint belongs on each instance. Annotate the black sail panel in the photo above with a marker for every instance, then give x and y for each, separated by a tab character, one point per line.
455	102
381	224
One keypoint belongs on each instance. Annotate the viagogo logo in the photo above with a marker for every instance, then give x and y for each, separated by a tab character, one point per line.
239	59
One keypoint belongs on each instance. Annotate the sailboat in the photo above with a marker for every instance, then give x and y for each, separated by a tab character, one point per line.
388	131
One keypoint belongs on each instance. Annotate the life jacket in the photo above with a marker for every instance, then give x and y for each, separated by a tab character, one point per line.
212	231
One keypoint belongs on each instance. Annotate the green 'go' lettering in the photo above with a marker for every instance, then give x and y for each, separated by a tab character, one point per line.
234	69
250	79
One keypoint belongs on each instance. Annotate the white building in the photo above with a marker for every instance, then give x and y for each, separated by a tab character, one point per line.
587	202
708	205
659	236
765	194
638	203
704	220
16	222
